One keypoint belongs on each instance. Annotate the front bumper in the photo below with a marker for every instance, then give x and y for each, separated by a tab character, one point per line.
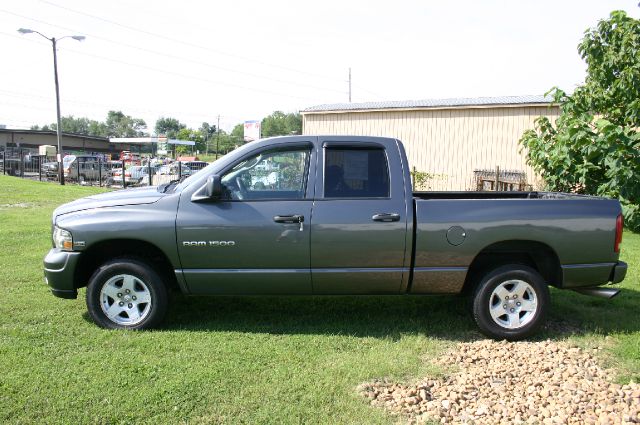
59	271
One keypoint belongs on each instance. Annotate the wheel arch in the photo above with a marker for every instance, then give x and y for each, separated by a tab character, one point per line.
537	255
103	251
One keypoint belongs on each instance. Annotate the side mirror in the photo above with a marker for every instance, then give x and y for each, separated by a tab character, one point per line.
211	190
213	187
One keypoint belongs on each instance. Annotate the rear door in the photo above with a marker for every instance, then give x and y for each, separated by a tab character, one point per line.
359	222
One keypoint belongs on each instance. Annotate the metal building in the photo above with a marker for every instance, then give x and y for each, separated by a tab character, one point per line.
459	142
32	139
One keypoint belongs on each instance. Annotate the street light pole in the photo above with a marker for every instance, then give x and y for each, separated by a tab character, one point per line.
218	139
59	126
55	76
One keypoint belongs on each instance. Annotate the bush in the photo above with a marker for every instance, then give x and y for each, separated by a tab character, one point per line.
594	145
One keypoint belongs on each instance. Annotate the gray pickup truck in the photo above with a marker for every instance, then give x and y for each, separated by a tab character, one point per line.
330	215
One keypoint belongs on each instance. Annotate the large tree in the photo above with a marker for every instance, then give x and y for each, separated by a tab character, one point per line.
169	127
121	125
238	132
117	125
281	124
594	145
86	126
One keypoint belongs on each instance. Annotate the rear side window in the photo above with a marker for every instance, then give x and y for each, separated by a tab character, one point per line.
356	173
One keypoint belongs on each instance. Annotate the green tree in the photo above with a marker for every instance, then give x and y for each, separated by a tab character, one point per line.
169	127
207	129
208	133
281	124
120	125
238	132
117	125
81	125
192	135
594	145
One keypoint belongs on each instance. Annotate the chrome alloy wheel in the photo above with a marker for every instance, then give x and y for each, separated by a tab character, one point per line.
513	304
125	299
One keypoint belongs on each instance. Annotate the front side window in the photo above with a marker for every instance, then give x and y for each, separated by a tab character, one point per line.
356	173
268	175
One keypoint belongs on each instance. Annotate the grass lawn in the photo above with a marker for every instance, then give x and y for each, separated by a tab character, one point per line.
229	360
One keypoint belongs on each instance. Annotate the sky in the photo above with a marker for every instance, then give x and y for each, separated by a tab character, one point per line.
243	59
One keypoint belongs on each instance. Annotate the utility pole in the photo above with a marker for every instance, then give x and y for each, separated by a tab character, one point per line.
218	137
349	84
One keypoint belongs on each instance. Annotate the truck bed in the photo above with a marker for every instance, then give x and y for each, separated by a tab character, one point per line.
498	195
453	228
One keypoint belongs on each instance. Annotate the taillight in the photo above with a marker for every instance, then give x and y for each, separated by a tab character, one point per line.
619	226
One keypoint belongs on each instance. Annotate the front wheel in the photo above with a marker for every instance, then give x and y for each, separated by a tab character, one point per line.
126	294
511	302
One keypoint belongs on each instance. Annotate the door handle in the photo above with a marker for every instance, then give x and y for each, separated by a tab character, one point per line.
386	217
290	219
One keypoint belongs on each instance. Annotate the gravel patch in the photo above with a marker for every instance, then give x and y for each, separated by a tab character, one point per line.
513	383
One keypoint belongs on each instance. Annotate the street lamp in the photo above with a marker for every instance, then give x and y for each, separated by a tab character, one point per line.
53	41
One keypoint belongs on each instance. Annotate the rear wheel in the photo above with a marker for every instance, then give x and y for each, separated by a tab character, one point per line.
126	294
511	302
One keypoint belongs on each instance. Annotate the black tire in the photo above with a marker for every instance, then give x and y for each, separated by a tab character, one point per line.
511	302
122	286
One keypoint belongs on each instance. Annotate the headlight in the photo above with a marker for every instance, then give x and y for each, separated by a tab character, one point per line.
62	239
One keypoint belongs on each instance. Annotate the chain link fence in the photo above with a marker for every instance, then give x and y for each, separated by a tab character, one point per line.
94	170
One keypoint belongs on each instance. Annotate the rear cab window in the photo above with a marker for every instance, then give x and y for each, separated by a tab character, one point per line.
354	172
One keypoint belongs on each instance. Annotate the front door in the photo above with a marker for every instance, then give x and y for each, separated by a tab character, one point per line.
256	239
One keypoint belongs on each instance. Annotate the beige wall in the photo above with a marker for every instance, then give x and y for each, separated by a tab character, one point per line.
450	143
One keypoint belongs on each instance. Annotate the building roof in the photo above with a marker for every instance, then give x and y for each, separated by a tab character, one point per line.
433	103
53	133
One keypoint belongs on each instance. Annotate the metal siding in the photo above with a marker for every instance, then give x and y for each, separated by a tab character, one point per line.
449	143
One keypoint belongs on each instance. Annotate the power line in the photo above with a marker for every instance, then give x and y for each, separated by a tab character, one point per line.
183	116
95	105
369	91
171	56
110	107
186	43
190	77
21	105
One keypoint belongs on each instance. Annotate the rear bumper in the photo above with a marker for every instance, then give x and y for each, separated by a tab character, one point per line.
619	272
59	270
590	275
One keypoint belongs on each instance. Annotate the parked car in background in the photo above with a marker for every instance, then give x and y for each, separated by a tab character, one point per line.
50	169
82	168
173	170
195	166
140	173
130	157
135	175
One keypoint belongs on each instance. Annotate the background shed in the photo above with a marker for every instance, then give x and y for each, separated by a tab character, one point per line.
447	138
